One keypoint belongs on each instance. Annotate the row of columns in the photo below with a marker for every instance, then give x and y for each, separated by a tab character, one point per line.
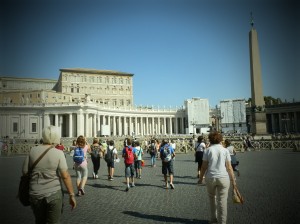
285	122
89	124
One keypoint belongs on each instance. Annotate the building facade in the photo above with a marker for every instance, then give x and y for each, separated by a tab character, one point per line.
197	114
81	102
100	102
233	113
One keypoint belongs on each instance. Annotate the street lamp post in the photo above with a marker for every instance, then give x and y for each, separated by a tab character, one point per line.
285	120
217	118
194	124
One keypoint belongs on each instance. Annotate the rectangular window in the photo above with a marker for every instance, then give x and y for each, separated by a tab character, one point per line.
33	127
15	127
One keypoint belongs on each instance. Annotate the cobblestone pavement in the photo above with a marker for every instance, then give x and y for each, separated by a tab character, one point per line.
269	182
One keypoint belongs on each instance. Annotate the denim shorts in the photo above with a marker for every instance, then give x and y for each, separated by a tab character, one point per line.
111	164
129	170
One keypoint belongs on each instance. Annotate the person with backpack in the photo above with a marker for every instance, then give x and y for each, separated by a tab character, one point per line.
96	155
138	152
153	151
111	154
167	155
80	163
128	156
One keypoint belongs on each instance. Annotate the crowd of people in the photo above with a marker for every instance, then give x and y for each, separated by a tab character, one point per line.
216	164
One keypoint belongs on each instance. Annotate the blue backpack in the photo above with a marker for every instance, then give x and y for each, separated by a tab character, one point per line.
166	153
78	156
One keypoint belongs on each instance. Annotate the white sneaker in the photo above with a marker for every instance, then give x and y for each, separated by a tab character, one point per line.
132	185
94	176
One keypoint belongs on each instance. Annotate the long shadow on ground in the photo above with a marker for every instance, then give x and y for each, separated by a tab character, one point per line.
165	219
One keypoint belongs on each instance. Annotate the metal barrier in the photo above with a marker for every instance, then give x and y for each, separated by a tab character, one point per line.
182	146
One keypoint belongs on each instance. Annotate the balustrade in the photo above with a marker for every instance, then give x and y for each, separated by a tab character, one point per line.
182	145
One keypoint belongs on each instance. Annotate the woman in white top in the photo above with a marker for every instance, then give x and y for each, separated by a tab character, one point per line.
218	173
199	149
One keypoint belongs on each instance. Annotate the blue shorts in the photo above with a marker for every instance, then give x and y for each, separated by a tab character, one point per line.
111	164
167	167
129	170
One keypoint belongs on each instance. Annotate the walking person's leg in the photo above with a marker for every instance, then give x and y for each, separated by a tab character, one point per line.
78	179
112	170
171	174
154	160
223	185
94	166
132	175
211	190
97	167
84	173
127	175
164	170
108	171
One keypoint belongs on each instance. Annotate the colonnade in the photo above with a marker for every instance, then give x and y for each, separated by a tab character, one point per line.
92	124
285	122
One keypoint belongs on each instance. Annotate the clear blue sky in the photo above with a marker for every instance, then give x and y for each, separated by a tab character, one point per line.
175	49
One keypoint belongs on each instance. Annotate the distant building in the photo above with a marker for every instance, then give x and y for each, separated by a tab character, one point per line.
233	114
81	102
197	113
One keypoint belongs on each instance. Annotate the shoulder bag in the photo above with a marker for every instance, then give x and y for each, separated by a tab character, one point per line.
236	196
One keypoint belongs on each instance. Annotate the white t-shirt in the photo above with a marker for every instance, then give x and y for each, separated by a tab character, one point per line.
216	155
200	147
173	145
115	152
230	149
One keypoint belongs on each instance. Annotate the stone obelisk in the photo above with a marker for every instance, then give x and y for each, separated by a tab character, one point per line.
258	115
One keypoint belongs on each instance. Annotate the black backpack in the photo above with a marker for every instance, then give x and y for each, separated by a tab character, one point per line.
152	150
109	156
95	150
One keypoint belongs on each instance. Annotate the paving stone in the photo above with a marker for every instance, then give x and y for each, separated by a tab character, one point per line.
269	182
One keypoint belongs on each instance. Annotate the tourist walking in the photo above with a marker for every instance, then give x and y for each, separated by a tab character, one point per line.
232	152
157	146
199	150
46	195
218	173
128	156
96	155
80	163
167	155
153	152
111	154
138	152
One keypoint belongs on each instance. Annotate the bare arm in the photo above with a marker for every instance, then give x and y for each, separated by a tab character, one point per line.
68	183
230	172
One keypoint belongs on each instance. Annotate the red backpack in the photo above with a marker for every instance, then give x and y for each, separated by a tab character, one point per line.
129	157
